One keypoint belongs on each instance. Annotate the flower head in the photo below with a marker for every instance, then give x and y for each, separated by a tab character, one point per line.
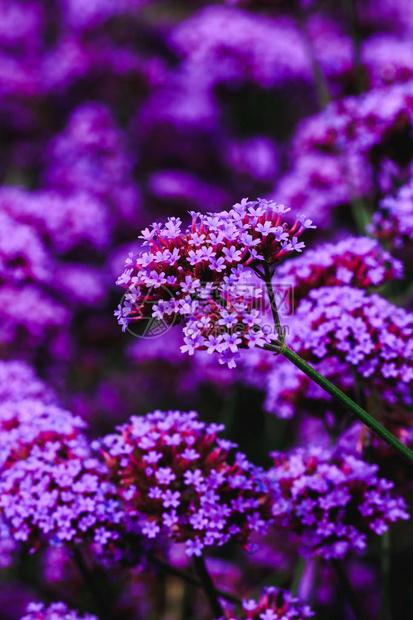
273	604
394	219
332	500
355	261
178	478
55	611
200	276
52	486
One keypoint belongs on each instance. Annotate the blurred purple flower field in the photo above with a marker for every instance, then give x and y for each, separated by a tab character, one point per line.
206	308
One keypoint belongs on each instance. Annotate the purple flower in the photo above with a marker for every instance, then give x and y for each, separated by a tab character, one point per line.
52	485
394	220
198	473
273	604
357	261
332	500
211	284
55	611
90	156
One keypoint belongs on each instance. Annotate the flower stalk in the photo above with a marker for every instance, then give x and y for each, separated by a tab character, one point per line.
208	586
280	348
185	576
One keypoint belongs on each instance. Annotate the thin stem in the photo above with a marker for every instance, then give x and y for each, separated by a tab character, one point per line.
348	590
360	214
177	572
350	9
91	580
336	393
299	572
208	586
320	82
273	303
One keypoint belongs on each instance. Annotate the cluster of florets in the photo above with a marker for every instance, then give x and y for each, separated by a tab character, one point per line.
201	275
343	332
62	222
332	500
393	221
55	611
178	478
358	123
322	184
28	317
19	381
27	422
52	487
349	151
368	332
359	262
37	228
230	44
387	60
89	156
273	604
22	255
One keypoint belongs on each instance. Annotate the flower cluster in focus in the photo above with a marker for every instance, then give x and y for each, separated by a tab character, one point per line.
201	275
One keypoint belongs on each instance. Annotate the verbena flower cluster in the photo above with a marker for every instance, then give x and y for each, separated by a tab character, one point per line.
351	337
90	156
332	500
55	611
180	479
201	275
393	222
366	331
273	604
359	262
61	222
26	423
347	153
18	381
52	486
118	113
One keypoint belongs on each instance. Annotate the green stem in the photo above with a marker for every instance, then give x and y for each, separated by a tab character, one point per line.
360	215
273	303
335	392
350	9
299	572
